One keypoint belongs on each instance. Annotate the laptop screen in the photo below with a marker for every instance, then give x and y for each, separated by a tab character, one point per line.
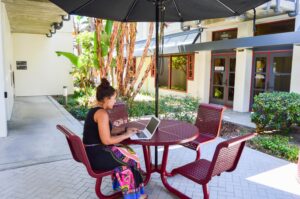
152	125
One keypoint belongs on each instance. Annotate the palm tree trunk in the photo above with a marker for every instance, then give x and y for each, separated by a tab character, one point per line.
99	24
113	40
130	86
137	90
131	45
120	58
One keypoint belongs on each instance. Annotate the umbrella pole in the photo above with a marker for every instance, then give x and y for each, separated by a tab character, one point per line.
157	68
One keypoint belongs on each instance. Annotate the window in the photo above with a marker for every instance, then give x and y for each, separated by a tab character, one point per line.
224	34
175	70
275	27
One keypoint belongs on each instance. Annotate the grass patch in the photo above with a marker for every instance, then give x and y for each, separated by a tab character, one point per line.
276	145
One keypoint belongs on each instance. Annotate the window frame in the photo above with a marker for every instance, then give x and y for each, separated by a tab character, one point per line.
190	67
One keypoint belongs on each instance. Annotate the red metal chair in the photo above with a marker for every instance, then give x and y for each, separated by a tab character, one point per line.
226	158
119	114
208	121
79	154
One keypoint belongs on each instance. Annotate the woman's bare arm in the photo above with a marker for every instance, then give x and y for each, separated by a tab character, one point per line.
117	130
102	119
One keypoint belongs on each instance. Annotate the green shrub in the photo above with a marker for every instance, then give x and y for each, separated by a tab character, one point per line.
141	108
79	112
276	111
170	107
277	145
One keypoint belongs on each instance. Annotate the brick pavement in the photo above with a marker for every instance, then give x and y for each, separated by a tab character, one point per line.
68	179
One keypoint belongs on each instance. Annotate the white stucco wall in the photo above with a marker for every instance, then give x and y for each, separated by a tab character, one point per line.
295	74
3	106
8	65
46	73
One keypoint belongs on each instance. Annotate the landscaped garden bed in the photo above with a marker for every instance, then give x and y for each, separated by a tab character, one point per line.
280	144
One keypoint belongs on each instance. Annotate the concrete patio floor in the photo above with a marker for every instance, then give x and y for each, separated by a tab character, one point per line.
35	163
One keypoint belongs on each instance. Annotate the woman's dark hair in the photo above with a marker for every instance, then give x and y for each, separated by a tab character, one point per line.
104	90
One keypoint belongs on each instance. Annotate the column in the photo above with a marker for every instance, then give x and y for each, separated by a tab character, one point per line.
243	71
202	69
202	74
3	123
242	85
295	73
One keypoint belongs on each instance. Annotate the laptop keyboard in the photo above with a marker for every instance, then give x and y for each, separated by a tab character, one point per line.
141	135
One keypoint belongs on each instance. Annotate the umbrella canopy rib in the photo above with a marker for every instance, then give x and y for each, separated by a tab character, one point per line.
178	11
227	7
130	10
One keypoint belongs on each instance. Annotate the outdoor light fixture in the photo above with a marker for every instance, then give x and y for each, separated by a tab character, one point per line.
49	35
58	26
65	17
53	30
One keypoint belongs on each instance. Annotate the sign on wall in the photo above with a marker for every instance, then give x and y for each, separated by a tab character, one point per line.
21	65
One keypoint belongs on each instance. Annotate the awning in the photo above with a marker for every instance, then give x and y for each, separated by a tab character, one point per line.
176	39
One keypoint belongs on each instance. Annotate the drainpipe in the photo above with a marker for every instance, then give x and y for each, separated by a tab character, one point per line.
277	7
296	11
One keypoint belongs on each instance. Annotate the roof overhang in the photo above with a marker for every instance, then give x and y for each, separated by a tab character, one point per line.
32	16
289	38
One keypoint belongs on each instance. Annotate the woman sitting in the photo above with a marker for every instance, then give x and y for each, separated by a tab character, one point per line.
102	144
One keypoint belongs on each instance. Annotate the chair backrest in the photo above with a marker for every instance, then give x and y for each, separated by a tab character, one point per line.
76	147
119	114
209	119
227	155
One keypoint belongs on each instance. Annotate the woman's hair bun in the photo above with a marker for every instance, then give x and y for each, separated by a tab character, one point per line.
104	83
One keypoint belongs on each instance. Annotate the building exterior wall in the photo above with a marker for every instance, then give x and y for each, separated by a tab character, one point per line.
200	86
46	73
8	65
295	82
6	104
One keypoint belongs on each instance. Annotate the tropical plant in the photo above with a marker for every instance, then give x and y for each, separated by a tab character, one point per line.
96	59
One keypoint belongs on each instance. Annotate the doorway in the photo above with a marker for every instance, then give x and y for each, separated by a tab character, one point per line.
222	79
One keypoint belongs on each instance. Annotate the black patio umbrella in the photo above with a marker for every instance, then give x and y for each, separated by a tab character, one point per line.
157	11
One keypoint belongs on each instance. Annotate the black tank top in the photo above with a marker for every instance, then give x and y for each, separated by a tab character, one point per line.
90	129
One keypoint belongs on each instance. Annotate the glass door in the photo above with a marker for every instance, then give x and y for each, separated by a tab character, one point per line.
260	74
280	74
272	72
222	80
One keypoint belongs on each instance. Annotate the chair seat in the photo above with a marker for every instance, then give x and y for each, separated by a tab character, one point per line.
202	138
196	171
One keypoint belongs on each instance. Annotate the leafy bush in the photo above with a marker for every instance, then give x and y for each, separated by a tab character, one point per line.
170	107
78	112
276	111
277	145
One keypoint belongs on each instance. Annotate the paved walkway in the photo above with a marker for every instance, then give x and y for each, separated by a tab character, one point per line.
243	119
257	176
32	135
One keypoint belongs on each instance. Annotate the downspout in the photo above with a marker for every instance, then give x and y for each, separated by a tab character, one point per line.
277	7
296	11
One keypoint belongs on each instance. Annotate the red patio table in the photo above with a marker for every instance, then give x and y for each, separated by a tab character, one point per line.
169	132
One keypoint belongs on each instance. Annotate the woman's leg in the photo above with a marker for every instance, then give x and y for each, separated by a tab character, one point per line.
129	176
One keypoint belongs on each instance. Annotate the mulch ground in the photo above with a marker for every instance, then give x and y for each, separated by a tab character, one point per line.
230	130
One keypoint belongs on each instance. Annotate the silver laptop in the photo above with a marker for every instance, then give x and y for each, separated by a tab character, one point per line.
149	131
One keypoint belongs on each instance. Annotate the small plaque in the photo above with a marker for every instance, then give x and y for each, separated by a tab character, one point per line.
219	68
21	65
